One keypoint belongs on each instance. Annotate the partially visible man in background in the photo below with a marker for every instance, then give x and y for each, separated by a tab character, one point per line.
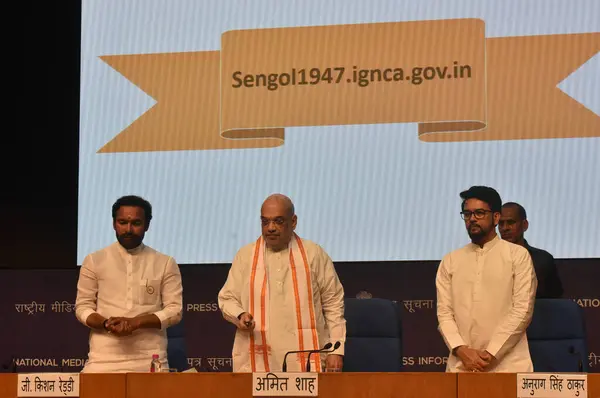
512	227
128	294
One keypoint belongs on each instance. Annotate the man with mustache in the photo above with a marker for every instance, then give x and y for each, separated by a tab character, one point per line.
283	294
512	227
128	294
485	293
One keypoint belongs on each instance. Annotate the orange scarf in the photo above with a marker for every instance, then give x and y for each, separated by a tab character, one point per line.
305	312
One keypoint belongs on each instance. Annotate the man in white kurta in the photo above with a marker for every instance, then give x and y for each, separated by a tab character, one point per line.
296	317
485	294
128	296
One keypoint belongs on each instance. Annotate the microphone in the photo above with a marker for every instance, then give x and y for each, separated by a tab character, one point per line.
572	351
284	366
325	349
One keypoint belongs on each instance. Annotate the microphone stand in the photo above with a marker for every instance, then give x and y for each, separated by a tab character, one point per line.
284	366
324	350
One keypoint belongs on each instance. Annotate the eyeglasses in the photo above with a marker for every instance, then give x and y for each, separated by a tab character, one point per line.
479	214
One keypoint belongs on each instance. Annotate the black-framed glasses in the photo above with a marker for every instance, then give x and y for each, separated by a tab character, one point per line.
479	214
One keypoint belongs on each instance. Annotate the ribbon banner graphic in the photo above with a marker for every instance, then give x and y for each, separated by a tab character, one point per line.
444	75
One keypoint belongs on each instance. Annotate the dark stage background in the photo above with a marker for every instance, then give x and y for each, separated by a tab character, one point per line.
42	333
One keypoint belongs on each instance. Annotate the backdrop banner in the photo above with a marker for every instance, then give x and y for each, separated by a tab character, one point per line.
40	332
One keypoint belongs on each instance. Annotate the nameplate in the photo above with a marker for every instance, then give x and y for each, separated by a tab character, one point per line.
48	385
552	385
280	384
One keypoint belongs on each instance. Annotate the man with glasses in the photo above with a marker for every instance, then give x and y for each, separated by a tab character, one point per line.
485	293
283	294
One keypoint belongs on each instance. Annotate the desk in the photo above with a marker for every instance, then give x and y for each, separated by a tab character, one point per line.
90	385
346	385
594	385
396	385
103	385
504	385
488	385
8	385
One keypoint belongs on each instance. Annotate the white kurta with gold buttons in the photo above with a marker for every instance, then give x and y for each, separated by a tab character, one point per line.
115	282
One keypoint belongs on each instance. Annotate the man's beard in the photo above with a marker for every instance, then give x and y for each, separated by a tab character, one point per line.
129	241
477	233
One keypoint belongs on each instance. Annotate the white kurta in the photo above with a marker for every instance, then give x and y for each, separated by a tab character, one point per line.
485	299
328	299
114	282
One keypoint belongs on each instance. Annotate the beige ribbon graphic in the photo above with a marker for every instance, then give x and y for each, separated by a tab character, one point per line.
444	75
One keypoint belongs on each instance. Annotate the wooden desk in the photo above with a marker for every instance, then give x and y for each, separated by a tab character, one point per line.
103	385
182	385
504	385
8	385
350	385
593	385
90	385
488	385
392	385
347	385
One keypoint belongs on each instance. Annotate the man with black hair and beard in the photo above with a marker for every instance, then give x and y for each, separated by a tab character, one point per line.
485	293
128	294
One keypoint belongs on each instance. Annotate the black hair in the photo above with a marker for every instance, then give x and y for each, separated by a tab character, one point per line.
132	200
485	194
520	209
